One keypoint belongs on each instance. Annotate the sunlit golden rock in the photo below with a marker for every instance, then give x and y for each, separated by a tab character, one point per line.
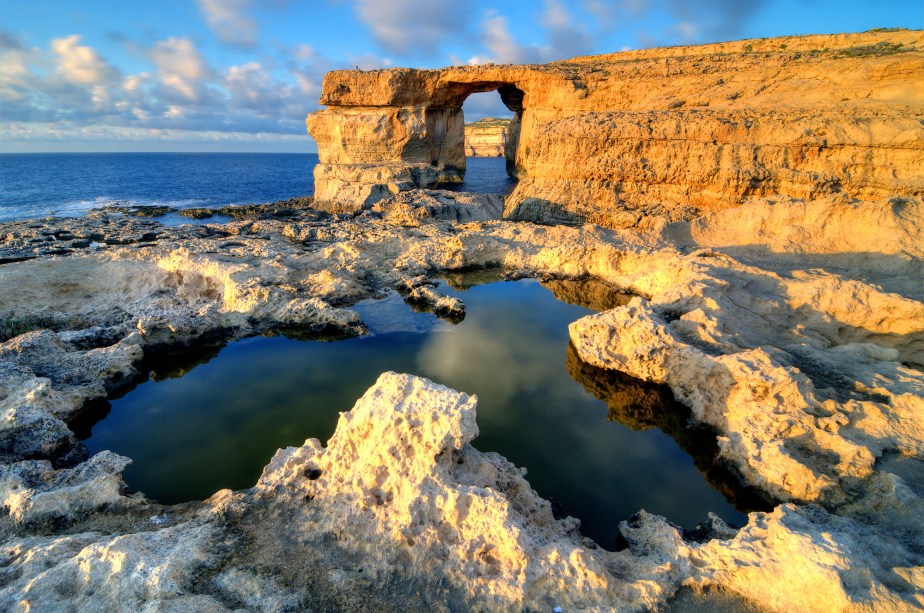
673	132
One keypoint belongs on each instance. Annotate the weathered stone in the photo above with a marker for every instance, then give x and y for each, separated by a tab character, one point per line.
487	138
410	208
792	327
400	510
33	492
679	131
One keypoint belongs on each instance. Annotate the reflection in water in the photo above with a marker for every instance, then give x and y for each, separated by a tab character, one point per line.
594	295
639	405
218	424
466	279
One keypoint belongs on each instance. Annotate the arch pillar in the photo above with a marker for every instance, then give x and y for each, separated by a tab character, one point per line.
392	138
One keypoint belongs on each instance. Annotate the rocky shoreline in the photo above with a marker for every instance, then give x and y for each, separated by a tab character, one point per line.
755	213
775	336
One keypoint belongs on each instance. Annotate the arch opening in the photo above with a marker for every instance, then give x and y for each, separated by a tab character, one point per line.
448	127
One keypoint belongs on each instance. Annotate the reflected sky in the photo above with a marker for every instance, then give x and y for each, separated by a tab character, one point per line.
218	424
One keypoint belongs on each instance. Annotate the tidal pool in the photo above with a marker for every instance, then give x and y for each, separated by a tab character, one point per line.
599	445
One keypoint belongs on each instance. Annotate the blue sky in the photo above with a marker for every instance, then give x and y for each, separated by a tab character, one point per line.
240	75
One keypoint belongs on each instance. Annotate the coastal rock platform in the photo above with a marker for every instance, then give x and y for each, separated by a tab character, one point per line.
788	318
772	334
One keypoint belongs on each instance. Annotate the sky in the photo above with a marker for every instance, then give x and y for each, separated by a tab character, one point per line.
240	75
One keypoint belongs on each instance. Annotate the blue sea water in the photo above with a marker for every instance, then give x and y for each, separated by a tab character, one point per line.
69	184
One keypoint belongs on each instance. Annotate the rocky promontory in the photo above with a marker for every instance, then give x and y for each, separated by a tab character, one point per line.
673	132
786	314
487	138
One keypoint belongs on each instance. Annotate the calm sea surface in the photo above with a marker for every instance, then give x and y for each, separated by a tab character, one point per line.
69	184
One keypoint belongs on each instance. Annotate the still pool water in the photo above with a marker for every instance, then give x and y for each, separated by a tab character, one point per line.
599	445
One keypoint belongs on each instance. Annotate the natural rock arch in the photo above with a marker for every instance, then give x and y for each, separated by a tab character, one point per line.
392	130
445	122
619	139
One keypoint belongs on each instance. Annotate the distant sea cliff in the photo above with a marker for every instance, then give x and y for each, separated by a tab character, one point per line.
487	137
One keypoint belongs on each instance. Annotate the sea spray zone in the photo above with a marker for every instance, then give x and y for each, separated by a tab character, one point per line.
790	323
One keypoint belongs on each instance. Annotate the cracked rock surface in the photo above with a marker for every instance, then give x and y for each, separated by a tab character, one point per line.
794	329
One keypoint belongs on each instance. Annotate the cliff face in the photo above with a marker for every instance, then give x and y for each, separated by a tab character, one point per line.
675	131
487	138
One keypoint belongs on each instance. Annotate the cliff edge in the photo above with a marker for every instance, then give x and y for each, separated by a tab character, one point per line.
674	132
487	137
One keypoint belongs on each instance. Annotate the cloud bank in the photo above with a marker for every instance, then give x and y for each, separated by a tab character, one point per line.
67	89
67	86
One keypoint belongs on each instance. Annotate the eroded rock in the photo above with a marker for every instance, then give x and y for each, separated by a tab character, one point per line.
600	139
795	338
487	137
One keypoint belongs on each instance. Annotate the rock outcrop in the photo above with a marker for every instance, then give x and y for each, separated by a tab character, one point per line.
790	326
676	132
487	138
793	328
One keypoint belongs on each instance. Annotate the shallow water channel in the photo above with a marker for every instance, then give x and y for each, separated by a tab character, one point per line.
599	445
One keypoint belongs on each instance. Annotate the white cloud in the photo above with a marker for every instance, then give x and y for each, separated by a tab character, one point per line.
307	85
402	26
133	83
101	97
179	56
504	49
180	67
14	74
228	21
303	52
80	64
636	7
566	39
181	91
686	31
710	20
58	135
602	11
481	105
9	40
694	22
251	87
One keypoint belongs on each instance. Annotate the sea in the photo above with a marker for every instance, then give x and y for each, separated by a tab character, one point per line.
70	184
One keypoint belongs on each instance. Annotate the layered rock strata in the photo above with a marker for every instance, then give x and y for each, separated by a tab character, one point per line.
487	138
778	324
674	132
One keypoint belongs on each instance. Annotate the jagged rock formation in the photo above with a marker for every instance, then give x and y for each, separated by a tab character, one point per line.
487	138
676	132
792	326
795	329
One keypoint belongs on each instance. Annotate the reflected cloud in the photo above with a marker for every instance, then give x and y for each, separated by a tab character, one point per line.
495	355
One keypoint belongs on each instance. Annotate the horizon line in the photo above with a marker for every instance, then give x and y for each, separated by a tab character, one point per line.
149	152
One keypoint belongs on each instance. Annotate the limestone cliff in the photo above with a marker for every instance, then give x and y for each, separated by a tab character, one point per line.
673	131
487	137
